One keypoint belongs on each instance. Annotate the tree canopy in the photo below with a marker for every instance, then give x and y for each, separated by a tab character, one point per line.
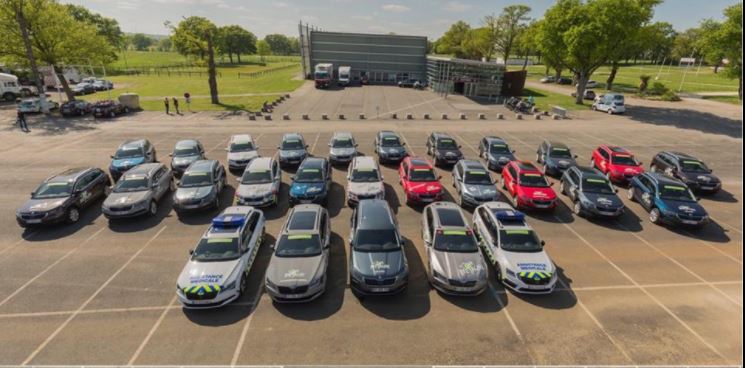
235	40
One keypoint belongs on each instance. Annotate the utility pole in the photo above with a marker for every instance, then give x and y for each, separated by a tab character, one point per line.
31	58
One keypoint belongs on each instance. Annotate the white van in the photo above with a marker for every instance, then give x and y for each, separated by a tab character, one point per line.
612	103
10	89
345	75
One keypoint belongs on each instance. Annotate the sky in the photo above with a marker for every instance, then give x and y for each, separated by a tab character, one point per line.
429	18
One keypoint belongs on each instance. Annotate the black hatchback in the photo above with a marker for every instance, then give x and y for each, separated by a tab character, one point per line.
76	108
690	170
443	149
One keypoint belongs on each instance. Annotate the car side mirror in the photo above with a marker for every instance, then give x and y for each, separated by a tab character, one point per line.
459	146
543	243
257	148
112	156
403	144
439	177
575	156
277	147
191	252
513	151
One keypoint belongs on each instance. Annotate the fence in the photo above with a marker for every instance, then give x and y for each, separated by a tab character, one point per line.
266	71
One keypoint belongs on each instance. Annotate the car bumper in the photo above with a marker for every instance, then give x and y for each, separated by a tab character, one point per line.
475	202
704	188
447	160
184	208
448	289
341	159
496	165
319	199
547	206
677	220
263	202
241	165
353	200
310	295
291	161
521	288
220	300
594	211
46	220
415	198
384	157
365	289
109	214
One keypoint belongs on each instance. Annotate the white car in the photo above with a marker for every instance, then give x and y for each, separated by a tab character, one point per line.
611	103
217	270
364	180
514	249
589	84
33	105
241	150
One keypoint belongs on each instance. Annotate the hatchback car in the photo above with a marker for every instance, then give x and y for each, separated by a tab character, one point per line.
200	186
668	200
342	148
76	108
514	249
588	95
617	163
138	192
109	109
61	197
443	149
103	85
241	150
218	267
377	262
688	169
300	258
312	182
455	265
473	183
184	154
555	157
612	103
496	152
130	154
292	150
527	186
364	180
419	181
260	183
591	193
389	147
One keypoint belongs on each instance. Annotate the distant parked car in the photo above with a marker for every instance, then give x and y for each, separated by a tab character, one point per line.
564	80
76	108
32	105
548	79
612	103
589	84
109	108
589	95
83	88
103	85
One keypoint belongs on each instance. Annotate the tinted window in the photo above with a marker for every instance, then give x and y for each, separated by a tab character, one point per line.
309	176
342	143
624	160
560	152
676	193
132	184
216	249
298	245
450	217
533	180
447	143
597	185
302	220
262	176
365	175
693	166
292	144
195	179
422	175
186	151
53	189
519	241
376	241
455	241
128	152
477	177
241	146
390	141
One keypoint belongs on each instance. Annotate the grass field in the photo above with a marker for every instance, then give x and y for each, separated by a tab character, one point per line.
544	100
141	59
735	100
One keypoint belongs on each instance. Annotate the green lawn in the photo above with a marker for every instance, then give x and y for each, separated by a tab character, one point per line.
544	100
146	59
735	100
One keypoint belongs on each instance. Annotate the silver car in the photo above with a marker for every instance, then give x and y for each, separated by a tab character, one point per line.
364	180
184	154
241	150
260	183
342	148
473	183
455	265
297	269
200	186
292	150
138	191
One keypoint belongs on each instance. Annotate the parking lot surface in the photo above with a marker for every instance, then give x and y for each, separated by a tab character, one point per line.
630	292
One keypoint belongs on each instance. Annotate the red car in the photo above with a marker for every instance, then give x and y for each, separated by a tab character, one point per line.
420	182
527	186
617	163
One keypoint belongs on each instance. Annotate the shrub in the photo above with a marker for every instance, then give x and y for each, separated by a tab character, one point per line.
669	96
643	82
657	89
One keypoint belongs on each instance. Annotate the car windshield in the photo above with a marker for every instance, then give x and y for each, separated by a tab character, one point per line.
321	75
53	190
499	148
195	179
128	152
559	152
131	184
216	249
254	176
27	103
626	160
694	166
676	193
390	142
533	180
519	241
477	177
374	240
597	185
422	175
292	144
309	176
185	151
365	176
455	241
298	245
447	144
241	146
342	143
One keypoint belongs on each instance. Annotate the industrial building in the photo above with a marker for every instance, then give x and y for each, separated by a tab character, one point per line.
465	77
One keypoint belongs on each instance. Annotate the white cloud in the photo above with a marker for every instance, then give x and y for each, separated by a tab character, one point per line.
457	7
363	17
395	8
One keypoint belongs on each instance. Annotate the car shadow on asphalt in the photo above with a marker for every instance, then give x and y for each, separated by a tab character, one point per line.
563	296
88	217
205	216
711	232
486	302
144	222
629	221
336	284
336	200
686	119
412	303
720	196
560	215
280	209
392	198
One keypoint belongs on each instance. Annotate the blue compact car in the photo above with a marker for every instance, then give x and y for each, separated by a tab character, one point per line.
130	154
667	200
311	182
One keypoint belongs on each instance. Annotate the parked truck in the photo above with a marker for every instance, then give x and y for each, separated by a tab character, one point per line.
324	75
345	75
11	89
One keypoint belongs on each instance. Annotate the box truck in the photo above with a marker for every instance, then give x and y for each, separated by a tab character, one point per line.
345	75
324	75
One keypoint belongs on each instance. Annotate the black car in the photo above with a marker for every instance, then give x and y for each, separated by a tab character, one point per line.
185	153
200	187
443	149
109	108
496	152
76	108
61	197
389	147
555	157
83	89
690	170
564	80
591	193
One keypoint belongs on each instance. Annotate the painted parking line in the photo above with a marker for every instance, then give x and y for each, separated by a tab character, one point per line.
735	229
19	242
109	310
244	332
315	142
513	325
150	333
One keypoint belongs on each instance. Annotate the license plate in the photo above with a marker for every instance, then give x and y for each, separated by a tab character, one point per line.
34	221
207	301
535	287
191	206
427	199
305	201
462	289
293	296
380	290
707	187
606	213
690	222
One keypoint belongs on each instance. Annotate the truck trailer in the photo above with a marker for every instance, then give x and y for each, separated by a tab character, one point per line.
324	75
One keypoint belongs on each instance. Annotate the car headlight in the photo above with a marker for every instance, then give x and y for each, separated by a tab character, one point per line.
510	272
230	285
270	285
439	276
316	282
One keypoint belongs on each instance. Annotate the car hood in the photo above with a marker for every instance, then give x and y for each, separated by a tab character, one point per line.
342	151
449	153
240	156
41	205
459	266
701	178
689	208
605	200
425	187
480	190
193	192
378	264
501	158
365	188
119	199
184	160
293	271
127	162
253	190
301	189
291	153
537	193
628	169
561	162
209	273
528	262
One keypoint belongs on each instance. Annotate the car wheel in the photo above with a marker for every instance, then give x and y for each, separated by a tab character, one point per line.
82	112
654	216
73	215
630	194
126	110
577	208
244	282
153	208
610	112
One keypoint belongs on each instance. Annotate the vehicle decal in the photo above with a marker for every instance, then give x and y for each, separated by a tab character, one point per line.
294	274
219	240
379	267
299	237
365	170
559	149
57	184
198	174
531	174
469	268
521	232
693	163
703	177
311	170
603	181
687	209
420	170
390	138
292	141
674	187
201	289
479	172
205	279
532	266
535	275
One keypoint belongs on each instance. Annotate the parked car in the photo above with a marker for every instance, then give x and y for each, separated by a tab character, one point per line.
668	200
588	95
260	183
300	258
443	149
61	197
419	181
473	183
76	108
138	192
617	163
33	105
688	169
527	187
109	108
312	182
83	88
555	157
218	267
378	264
130	154
342	148
292	150
548	79
455	265
612	103
186	152
564	80
103	85
591	193
589	84
200	187
364	180
496	152
241	150
389	147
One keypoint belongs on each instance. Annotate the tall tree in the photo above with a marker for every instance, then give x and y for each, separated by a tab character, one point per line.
263	49
165	44
686	44
197	36
511	22
141	42
106	27
234	40
279	43
525	43
635	40
727	41
477	44
708	43
452	41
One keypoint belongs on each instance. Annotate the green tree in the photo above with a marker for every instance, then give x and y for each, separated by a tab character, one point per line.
279	44
708	43
263	49
234	40
686	44
197	36
727	42
452	41
477	44
141	42
165	44
511	22
294	46
658	41
634	42
106	27
525	43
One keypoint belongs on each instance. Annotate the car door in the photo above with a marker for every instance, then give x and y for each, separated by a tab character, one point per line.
604	160
82	190
457	177
352	225
325	227
645	193
541	153
479	224
511	180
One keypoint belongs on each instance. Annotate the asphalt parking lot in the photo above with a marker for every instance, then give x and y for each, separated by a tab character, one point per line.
630	292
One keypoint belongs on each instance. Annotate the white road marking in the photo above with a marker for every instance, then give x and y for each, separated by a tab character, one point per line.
255	304
18	242
651	286
151	332
313	148
88	301
107	310
411	148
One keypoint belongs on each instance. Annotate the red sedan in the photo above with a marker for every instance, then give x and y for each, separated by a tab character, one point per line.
420	182
527	186
617	163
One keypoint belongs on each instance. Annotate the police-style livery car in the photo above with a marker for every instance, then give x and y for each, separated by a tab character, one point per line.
218	267
667	200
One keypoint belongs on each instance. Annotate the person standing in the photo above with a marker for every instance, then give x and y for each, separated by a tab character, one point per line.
187	98
175	106
22	121
168	106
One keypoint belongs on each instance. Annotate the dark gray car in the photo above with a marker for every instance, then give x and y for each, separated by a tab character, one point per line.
292	150
591	192
496	152
443	149
200	187
389	147
555	157
184	154
473	183
138	191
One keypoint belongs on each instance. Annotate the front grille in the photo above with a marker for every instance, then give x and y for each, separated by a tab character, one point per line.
292	290
542	203
33	215
367	196
205	295
342	157
120	209
535	280
425	195
462	283
685	216
371	281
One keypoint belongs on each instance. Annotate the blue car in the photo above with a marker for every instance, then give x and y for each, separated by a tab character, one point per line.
130	154
667	200
311	182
